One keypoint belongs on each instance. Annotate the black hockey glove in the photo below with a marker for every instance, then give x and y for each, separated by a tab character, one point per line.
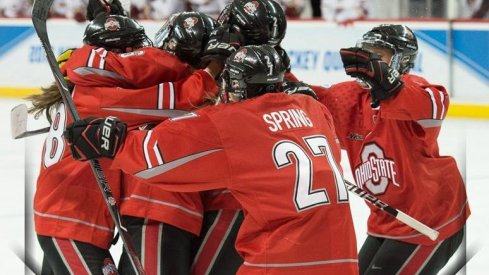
369	67
96	7
92	137
285	58
222	43
291	87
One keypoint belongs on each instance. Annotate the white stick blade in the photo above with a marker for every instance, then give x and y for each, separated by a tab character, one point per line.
420	227
18	120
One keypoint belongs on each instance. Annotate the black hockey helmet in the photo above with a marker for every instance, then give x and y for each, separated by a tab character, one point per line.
252	71
399	38
116	33
260	21
186	34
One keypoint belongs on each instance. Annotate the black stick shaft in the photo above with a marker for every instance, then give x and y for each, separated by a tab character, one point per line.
40	12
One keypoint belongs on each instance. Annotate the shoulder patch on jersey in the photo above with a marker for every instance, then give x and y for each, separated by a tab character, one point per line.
129	54
185	116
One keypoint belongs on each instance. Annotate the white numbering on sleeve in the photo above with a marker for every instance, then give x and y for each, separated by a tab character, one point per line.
54	145
304	196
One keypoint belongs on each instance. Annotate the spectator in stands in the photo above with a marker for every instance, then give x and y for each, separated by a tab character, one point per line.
69	9
316	8
210	7
15	8
159	9
342	11
476	9
292	8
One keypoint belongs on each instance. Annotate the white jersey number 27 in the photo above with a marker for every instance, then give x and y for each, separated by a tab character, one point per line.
304	196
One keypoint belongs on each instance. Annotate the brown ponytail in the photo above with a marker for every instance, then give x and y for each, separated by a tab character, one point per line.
47	101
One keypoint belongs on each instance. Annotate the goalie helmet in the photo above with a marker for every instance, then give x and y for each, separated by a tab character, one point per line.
260	21
252	71
116	33
398	38
186	35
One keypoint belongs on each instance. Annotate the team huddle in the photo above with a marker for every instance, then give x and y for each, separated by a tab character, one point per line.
223	162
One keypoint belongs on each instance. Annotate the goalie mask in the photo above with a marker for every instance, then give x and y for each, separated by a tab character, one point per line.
400	39
116	33
252	71
186	35
260	21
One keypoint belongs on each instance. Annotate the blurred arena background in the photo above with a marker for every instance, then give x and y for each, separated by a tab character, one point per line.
453	36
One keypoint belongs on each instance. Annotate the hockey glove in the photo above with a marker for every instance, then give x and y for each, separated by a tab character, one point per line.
369	67
291	87
92	137
222	43
285	58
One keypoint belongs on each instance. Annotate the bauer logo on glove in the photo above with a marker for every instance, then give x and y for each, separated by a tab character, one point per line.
93	138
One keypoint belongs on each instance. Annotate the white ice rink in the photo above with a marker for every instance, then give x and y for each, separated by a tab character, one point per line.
466	140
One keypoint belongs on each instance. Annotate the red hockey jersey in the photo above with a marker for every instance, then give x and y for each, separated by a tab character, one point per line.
152	104
393	152
277	154
68	203
92	66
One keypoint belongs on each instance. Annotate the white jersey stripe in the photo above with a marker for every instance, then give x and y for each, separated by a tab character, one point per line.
102	59
172	96
442	96
429	123
269	265
157	154
179	207
145	149
143	241
163	168
159	252
160	96
90	58
433	102
73	220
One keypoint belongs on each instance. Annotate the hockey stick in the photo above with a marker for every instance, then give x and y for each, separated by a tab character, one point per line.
18	123
40	12
396	213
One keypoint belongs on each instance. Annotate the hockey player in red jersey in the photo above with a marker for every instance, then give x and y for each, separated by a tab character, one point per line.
389	121
106	61
277	154
86	211
264	23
